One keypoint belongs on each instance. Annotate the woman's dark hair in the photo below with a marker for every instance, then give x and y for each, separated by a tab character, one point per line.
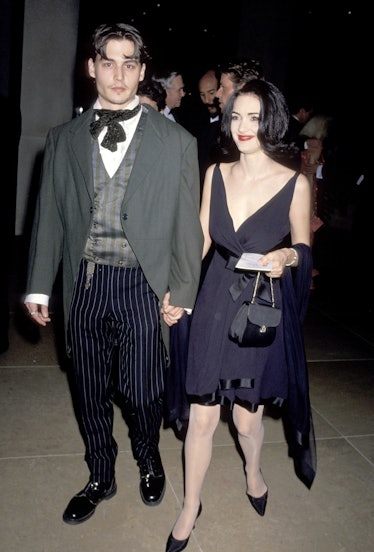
273	118
118	31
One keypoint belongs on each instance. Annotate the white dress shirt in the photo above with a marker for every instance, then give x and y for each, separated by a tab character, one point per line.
113	159
169	114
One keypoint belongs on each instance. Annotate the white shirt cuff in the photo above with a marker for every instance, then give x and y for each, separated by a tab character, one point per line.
38	298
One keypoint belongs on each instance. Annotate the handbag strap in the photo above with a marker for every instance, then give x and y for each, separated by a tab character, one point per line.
256	286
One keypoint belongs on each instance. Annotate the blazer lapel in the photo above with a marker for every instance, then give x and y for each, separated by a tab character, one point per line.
82	150
150	149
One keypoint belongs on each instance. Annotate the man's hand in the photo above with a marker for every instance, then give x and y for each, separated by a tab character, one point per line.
38	313
170	314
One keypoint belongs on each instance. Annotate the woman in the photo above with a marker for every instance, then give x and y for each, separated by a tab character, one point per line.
254	205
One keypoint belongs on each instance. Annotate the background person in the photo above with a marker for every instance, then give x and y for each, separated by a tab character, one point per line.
173	84
233	75
153	94
205	121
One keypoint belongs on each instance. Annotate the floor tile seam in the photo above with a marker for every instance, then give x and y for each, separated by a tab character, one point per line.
360	453
265	442
343	437
41	456
365	359
327	421
55	455
173	490
339	435
227	445
29	366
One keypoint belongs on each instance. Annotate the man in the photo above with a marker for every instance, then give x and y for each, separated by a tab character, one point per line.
173	84
119	206
208	123
153	94
301	111
234	75
208	86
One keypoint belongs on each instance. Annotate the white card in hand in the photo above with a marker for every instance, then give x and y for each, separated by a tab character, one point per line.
249	261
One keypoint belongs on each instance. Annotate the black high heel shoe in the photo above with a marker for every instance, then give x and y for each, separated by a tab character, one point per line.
259	504
174	545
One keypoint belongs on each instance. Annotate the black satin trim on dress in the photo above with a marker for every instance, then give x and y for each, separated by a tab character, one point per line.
244	277
278	401
245	404
210	399
213	399
225	384
273	401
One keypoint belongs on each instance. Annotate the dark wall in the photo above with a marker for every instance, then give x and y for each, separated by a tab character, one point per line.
11	34
312	45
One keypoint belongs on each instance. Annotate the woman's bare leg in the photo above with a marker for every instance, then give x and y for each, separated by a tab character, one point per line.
202	424
251	435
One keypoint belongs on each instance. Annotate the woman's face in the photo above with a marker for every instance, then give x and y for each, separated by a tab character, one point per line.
244	123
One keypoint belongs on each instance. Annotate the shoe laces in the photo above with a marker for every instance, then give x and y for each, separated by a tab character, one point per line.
93	488
150	467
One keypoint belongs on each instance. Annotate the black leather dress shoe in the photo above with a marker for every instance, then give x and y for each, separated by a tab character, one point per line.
83	505
152	480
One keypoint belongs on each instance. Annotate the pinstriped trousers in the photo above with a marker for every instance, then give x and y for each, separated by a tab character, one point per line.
117	315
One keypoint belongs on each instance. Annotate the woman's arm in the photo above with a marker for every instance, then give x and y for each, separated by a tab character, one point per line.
300	213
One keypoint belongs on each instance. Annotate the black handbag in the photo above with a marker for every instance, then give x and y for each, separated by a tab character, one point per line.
255	324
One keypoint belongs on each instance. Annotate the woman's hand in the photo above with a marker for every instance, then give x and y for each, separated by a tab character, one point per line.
279	259
171	315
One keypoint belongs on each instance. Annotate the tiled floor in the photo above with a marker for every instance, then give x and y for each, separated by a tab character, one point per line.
42	464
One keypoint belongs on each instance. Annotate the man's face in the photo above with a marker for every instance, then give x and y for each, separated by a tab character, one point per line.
175	93
226	88
118	76
208	85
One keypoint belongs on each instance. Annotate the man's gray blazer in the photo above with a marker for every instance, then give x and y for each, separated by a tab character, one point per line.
159	213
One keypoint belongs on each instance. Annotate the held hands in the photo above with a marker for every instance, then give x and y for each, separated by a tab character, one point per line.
280	258
38	313
170	314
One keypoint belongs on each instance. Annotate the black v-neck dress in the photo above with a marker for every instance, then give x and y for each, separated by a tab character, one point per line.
218	370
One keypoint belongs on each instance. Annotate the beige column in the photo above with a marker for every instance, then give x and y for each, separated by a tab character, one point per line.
48	61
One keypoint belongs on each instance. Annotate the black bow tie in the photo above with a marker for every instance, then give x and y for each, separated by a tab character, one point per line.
109	118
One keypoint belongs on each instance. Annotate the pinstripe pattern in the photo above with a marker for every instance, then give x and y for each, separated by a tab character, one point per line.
120	312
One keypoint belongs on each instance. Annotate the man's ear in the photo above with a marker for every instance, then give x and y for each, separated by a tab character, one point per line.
142	72
91	68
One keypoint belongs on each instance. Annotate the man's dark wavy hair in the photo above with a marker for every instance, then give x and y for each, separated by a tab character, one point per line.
118	31
242	71
273	118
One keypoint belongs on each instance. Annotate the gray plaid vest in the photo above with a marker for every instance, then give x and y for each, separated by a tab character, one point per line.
107	243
